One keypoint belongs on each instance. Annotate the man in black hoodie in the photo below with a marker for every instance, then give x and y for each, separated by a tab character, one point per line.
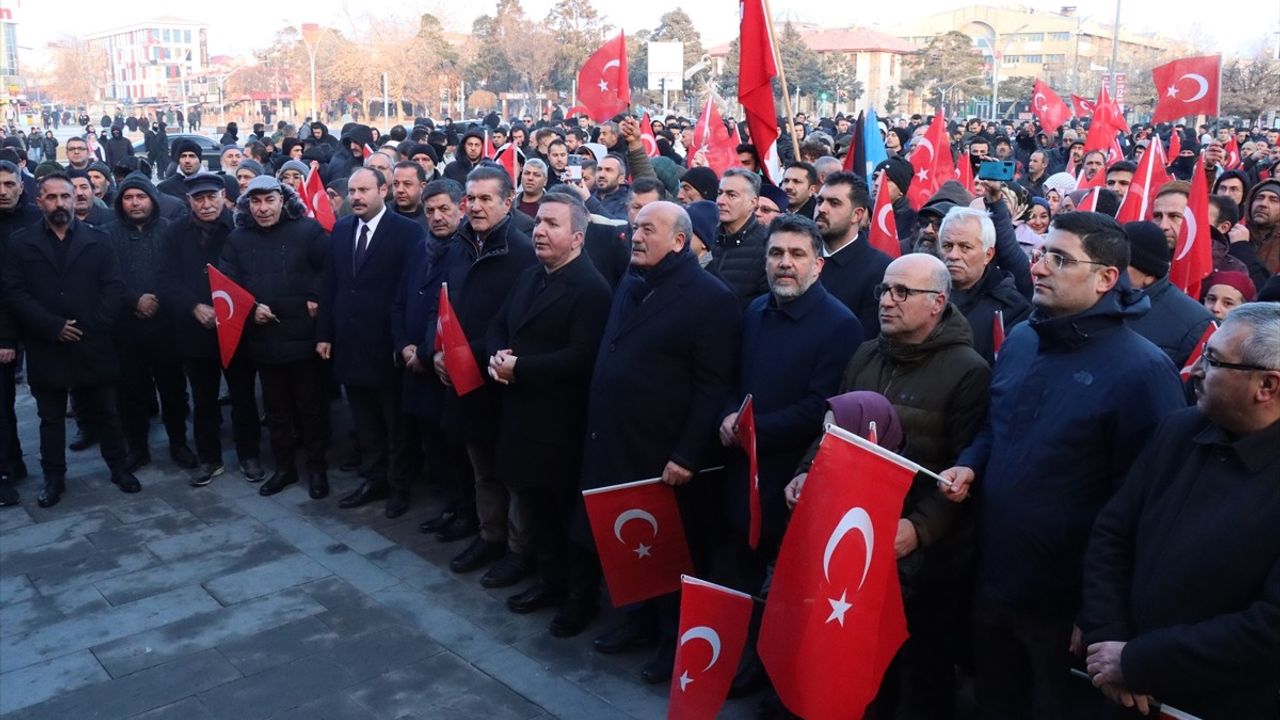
119	146
470	152
144	332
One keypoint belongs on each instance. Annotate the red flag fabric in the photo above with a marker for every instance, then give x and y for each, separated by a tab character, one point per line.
1151	175
834	619
711	136
316	199
1231	149
604	89
647	137
1049	109
1082	107
851	154
964	171
746	432
883	234
932	162
489	152
1193	256
230	314
1187	87
997	333
713	633
756	70
459	362
640	539
510	162
1108	111
1194	358
365	152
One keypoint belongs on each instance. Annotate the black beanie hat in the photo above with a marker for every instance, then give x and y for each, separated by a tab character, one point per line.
704	180
182	145
1148	249
423	149
899	171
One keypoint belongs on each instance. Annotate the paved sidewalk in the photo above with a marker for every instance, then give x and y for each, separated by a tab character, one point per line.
199	603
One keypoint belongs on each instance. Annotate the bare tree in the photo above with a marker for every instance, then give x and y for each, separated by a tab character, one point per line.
79	73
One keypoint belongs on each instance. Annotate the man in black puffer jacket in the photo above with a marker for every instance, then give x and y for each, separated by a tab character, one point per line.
737	257
278	255
144	333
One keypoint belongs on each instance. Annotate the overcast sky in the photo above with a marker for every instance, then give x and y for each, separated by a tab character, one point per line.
237	29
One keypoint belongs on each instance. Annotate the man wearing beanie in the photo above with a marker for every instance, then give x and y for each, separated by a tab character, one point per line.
1262	217
1175	322
426	155
900	173
186	158
699	183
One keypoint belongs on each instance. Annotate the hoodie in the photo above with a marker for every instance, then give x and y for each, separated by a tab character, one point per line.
461	166
118	147
140	249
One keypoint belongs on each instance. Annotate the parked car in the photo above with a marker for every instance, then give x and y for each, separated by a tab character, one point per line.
210	152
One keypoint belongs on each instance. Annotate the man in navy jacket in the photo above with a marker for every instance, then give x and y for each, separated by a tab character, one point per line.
1074	395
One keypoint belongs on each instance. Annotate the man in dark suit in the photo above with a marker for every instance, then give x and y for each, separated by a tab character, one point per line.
852	266
480	266
62	284
369	250
658	393
544	343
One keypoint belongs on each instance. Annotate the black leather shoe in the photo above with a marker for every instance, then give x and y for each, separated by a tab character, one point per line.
438	523
277	482
123	478
538	596
8	496
630	635
478	554
252	470
183	457
397	504
574	616
363	495
319	483
133	462
750	678
508	571
659	667
463	526
83	441
52	492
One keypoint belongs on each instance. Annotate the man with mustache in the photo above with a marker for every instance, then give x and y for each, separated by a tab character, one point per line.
979	287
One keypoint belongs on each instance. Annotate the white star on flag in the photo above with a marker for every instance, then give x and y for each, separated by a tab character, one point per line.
604	86
685	680
1172	91
642	550
839	608
923	174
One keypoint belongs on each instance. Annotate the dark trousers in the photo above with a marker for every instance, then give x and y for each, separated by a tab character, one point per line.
147	365
502	518
96	411
10	446
205	376
1023	668
295	397
921	681
384	436
446	463
550	513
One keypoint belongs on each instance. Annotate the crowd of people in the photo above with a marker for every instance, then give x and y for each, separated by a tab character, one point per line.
1100	511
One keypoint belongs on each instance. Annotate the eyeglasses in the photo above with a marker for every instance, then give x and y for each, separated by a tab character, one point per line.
1205	359
899	293
1056	260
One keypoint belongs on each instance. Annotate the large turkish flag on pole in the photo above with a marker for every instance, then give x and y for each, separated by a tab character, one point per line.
316	200
932	162
1082	107
1048	107
459	362
1186	87
237	304
1193	255
756	70
711	136
639	538
1152	174
604	89
834	619
713	632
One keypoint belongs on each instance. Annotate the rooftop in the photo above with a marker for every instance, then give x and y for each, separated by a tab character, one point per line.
850	39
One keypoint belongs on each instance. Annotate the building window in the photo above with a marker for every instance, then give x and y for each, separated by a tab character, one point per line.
1012	59
186	36
1031	37
1055	58
1031	58
164	34
1060	36
155	35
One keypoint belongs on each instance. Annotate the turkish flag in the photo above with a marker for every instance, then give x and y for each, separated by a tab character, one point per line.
1193	255
756	70
1175	145
1186	87
238	305
834	619
883	234
932	162
851	155
746	432
648	138
459	362
489	152
1108	111
510	161
1151	175
713	633
365	152
604	89
1049	109
711	136
997	332
964	171
1232	150
640	539
1083	107
1194	358
316	200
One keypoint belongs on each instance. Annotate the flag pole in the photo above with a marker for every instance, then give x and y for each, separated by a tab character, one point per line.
782	78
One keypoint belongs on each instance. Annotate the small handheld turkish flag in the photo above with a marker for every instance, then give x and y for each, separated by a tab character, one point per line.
746	432
459	362
316	199
603	86
1193	254
883	235
713	632
997	332
508	157
639	538
231	307
1231	149
1048	107
931	160
1152	174
964	171
1187	86
1194	358
834	619
365	152
647	137
1082	107
712	137
1175	145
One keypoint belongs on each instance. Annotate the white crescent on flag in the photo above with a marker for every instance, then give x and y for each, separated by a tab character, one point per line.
1189	225
1201	91
710	636
880	216
641	550
231	305
1040	102
923	143
855	519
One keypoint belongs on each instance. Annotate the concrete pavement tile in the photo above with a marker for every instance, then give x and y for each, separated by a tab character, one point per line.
37	683
157	528
279	645
17	562
454	632
265	579
15	589
186	709
269	693
441	686
91	568
13	518
261	508
349	611
96	628
336	706
146	508
192	571
21	617
353	568
545	685
64	528
200	632
409	567
206	539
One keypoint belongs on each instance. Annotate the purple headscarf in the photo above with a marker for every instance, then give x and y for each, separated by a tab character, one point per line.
854	411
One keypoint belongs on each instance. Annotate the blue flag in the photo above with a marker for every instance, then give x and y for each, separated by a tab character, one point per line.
874	146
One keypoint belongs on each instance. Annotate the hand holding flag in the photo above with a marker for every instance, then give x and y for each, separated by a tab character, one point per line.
238	305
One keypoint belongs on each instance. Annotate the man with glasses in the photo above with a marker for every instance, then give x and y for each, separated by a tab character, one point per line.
78	154
1074	396
1182	564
